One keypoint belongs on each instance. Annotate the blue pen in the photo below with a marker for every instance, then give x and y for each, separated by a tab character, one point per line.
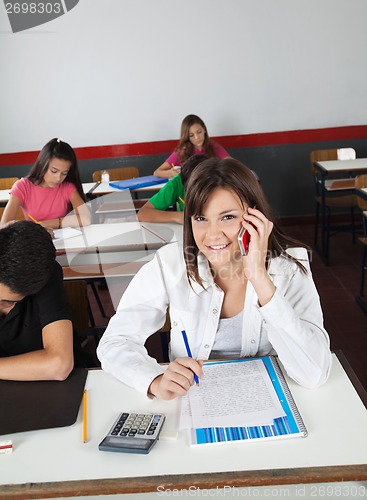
188	350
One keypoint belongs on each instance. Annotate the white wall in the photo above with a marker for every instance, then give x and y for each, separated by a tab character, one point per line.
126	71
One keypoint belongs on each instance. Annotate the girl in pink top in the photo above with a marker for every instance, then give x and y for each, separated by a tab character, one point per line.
194	141
51	190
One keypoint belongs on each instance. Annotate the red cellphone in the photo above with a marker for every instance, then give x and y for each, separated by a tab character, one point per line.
243	240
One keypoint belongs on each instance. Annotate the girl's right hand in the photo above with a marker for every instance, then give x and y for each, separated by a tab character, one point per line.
177	379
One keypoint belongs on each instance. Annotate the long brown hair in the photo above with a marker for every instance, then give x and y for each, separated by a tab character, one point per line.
234	176
185	147
56	148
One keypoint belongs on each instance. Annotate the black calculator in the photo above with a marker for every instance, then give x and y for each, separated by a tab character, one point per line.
133	433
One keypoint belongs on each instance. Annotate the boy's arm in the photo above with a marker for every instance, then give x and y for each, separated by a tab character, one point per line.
148	213
54	362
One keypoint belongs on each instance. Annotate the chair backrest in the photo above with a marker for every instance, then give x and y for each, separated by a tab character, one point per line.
118	174
361	182
331	154
7	182
346	154
77	295
322	155
20	214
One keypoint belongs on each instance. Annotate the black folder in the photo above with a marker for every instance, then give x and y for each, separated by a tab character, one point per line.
44	404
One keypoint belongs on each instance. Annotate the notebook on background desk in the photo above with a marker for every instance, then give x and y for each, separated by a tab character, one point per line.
138	182
41	404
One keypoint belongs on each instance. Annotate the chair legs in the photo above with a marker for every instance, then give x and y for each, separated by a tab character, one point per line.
326	230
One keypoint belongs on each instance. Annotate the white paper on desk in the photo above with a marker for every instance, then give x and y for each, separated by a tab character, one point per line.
234	394
185	416
65	233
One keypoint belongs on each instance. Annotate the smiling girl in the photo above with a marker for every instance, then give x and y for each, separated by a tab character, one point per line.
194	141
51	190
230	305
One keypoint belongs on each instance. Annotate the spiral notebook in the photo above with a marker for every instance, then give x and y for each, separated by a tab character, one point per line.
274	415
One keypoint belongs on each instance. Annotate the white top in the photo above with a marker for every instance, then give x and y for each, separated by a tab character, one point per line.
227	343
290	324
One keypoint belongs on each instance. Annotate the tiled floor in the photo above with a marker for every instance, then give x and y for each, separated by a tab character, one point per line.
338	285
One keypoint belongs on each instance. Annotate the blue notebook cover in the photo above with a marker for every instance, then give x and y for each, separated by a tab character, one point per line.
138	182
291	425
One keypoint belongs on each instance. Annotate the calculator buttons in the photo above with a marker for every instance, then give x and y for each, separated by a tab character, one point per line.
133	433
136	424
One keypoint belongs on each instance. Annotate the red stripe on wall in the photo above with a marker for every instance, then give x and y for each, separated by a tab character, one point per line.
228	142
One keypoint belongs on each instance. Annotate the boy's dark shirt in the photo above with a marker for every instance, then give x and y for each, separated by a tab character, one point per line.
21	328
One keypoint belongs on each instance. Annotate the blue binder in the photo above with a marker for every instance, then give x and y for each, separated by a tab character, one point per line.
138	182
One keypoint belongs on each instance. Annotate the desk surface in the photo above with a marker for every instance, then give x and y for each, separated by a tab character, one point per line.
168	231
334	166
103	265
56	461
104	187
105	237
4	195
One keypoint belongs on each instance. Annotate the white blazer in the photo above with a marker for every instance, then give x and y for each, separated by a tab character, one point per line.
289	325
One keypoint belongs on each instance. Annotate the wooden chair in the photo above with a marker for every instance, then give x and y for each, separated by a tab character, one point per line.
361	182
20	215
339	194
118	174
7	182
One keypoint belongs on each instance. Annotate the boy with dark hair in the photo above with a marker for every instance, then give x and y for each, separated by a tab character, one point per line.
36	334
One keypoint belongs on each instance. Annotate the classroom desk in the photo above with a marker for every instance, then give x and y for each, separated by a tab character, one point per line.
119	236
101	188
103	264
350	168
168	231
115	252
87	187
55	462
4	196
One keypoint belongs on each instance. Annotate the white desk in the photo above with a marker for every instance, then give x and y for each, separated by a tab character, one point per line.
332	168
87	186
168	231
4	195
117	236
55	462
105	188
